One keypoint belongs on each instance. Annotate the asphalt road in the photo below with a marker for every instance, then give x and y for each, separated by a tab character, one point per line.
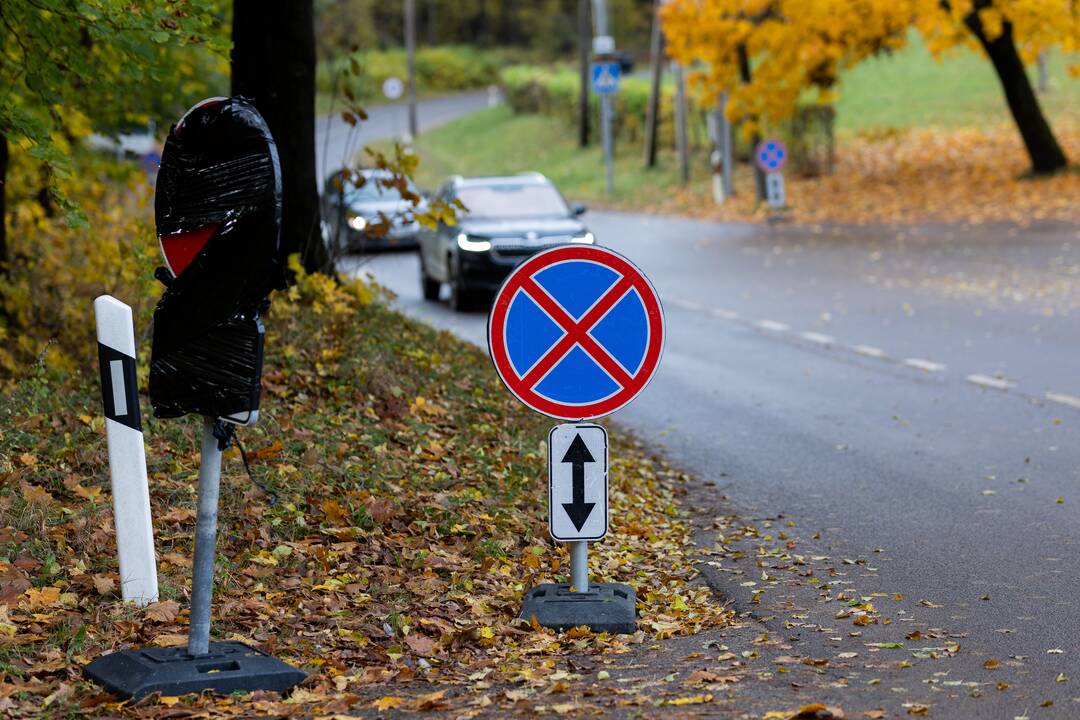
337	142
903	404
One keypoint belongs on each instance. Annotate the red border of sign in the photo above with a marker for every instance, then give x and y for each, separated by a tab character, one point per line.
757	155
524	273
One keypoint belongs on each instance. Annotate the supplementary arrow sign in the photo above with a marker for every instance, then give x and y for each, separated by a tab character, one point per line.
577	455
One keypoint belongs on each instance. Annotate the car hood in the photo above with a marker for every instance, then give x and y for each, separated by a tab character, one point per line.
389	207
519	227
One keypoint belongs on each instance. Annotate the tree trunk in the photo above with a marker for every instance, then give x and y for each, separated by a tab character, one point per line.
3	203
273	65
759	174
1042	147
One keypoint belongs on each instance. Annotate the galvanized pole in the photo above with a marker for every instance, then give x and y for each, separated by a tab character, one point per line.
727	146
579	565
681	140
410	54
202	579
606	111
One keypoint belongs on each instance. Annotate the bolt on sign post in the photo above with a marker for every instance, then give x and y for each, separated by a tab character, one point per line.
770	156
577	332
218	213
127	453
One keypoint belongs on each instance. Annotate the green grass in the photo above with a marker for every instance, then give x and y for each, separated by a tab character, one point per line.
497	142
911	89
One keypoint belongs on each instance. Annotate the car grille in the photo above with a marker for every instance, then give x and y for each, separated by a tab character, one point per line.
518	247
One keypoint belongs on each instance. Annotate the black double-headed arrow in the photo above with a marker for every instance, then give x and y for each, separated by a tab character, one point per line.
577	455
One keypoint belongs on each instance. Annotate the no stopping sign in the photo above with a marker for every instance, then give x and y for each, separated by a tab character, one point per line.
576	332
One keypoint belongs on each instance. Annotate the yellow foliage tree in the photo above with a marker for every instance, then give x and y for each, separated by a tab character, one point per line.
799	45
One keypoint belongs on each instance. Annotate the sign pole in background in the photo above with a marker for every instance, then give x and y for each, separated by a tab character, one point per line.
127	452
770	156
577	332
604	67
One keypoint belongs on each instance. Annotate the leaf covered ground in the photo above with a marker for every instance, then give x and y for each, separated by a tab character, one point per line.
393	520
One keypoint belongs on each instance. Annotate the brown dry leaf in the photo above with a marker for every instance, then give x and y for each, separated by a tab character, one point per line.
13	582
430	701
874	714
702	677
918	710
104	584
991	664
35	495
164	611
335	512
420	644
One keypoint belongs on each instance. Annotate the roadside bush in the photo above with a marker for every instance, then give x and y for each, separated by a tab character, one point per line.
554	91
442	68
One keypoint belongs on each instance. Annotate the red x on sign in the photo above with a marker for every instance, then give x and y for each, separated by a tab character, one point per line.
576	332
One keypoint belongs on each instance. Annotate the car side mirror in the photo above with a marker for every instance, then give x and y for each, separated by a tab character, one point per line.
580	208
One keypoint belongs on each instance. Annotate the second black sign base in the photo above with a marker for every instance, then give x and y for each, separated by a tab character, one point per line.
607	607
228	667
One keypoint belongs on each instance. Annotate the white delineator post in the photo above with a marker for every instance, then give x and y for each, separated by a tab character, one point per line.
127	454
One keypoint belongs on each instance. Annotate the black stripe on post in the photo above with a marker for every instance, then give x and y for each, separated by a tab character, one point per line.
119	387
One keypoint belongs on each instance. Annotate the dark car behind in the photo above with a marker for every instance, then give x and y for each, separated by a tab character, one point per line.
507	219
353	210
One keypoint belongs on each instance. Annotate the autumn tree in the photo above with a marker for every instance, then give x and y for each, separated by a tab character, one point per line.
67	67
800	45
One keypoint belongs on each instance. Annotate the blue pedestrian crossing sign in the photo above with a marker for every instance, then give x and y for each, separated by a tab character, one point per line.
576	332
605	77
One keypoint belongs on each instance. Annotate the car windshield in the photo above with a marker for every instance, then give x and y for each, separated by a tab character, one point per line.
373	190
513	201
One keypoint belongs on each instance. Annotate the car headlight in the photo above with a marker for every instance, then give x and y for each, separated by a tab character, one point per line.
465	243
587	238
357	222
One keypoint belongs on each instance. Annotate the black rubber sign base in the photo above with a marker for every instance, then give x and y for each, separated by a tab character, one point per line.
228	667
607	607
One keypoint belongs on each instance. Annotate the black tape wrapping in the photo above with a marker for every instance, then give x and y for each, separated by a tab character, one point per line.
219	169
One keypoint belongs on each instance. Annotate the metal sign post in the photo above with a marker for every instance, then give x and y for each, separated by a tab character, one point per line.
770	156
603	55
222	261
577	332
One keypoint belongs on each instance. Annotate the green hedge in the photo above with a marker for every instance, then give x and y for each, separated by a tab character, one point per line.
439	68
554	91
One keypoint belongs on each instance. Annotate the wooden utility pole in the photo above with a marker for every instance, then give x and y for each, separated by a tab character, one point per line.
652	112
584	45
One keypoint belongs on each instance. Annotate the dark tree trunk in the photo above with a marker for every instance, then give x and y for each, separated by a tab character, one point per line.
759	174
1042	147
273	64
3	203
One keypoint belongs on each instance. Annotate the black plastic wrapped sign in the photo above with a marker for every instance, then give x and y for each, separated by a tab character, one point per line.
218	213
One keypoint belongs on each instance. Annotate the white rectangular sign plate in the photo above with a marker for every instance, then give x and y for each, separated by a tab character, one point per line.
577	482
774	189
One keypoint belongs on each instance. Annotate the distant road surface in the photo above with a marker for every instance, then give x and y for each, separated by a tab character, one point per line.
336	142
904	403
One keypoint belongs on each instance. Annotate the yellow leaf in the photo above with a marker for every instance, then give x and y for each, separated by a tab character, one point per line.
388	702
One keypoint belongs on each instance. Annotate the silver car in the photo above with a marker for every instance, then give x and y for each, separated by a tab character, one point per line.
356	213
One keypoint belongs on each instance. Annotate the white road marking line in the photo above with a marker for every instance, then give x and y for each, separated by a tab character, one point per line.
772	325
869	350
725	314
685	304
1070	400
990	382
819	338
926	365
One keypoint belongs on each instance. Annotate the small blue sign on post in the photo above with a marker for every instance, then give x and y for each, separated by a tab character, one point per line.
605	77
